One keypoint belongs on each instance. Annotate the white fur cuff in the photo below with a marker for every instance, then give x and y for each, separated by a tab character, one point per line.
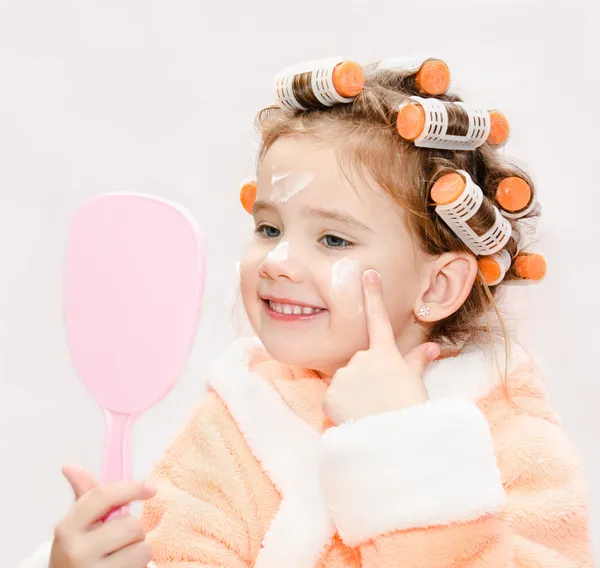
430	464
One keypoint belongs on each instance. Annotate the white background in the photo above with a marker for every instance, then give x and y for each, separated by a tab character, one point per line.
159	96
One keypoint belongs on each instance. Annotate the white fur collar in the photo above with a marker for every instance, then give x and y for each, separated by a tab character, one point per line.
473	373
288	450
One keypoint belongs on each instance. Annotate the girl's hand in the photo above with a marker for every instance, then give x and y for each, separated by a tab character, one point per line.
81	541
379	379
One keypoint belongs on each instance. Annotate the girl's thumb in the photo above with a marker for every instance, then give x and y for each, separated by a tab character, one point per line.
80	479
420	357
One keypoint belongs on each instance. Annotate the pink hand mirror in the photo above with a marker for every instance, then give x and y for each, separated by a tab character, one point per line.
134	280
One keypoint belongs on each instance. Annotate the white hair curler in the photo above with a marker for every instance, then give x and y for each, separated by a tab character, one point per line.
324	82
425	121
458	199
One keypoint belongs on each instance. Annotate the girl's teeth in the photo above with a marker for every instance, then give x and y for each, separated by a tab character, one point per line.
290	309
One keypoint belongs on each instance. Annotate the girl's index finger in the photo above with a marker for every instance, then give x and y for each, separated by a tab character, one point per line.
378	322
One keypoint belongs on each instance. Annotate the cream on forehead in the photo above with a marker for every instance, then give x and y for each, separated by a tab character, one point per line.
285	184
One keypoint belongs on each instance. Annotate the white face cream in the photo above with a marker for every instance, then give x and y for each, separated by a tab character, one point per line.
279	253
284	185
345	284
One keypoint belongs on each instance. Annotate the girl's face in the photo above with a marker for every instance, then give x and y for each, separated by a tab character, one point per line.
315	236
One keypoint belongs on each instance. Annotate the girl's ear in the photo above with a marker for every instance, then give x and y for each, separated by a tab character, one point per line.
447	285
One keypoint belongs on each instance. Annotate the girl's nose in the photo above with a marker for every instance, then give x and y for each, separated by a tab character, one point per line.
282	263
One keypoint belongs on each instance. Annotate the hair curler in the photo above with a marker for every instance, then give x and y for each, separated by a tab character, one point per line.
459	200
431	123
321	83
494	268
431	76
248	195
515	197
528	266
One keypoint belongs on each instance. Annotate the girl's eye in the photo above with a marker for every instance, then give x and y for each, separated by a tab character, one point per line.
267	231
331	241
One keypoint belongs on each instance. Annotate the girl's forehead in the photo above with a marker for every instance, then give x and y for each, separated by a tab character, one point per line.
314	167
300	153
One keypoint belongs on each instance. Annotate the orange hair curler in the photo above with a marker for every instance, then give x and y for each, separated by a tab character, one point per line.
529	266
432	76
493	268
500	129
321	83
427	123
458	199
515	197
248	195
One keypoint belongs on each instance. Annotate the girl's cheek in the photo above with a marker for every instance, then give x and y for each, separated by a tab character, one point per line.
247	269
345	288
255	254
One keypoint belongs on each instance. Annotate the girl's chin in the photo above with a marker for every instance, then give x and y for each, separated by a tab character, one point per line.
292	352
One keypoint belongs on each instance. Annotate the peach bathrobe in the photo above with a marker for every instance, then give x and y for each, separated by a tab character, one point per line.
260	478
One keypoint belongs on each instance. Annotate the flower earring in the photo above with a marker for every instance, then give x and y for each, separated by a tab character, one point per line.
425	310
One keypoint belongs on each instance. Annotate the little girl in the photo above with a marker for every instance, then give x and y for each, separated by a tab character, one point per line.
378	419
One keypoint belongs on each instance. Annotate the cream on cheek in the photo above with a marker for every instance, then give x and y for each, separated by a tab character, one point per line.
345	287
284	184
